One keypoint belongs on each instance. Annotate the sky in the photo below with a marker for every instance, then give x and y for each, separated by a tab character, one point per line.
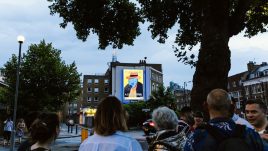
32	19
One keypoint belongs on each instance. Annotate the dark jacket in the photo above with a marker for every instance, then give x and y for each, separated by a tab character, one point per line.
201	140
165	140
139	90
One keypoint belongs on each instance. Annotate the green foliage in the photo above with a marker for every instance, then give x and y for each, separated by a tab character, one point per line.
46	82
162	97
116	22
208	22
136	115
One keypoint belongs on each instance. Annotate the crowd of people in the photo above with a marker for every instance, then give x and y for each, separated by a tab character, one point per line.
225	130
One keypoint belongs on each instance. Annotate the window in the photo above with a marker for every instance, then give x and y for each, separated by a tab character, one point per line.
89	81
153	87
96	90
106	90
96	98
234	84
88	99
247	90
96	81
88	89
106	81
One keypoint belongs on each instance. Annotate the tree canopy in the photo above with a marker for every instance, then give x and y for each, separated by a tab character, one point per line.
46	82
208	22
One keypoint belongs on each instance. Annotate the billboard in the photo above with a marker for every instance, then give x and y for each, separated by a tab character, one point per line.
133	84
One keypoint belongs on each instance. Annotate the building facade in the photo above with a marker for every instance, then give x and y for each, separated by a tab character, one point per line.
116	82
182	95
251	84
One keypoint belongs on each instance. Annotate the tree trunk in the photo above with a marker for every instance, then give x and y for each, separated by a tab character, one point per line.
213	62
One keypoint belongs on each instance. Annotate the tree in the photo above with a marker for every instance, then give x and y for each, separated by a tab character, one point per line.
46	82
209	22
162	97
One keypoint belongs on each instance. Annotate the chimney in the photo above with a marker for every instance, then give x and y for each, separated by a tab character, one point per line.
251	66
264	63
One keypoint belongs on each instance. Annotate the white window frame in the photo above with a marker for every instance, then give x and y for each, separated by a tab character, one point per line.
96	90
106	81
89	81
96	81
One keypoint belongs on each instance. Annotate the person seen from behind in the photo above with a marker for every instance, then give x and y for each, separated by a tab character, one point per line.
221	132
44	130
29	119
166	122
110	125
8	127
186	121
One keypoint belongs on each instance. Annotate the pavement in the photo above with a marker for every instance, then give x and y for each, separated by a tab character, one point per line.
68	141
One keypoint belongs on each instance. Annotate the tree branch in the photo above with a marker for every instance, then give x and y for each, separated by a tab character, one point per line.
237	18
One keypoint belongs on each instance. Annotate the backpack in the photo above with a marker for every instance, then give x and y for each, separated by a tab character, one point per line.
235	142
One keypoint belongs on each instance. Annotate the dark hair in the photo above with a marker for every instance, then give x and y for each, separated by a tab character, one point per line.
261	104
186	114
110	117
198	114
185	110
30	117
45	127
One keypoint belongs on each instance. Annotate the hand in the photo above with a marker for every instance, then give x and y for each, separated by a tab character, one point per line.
264	136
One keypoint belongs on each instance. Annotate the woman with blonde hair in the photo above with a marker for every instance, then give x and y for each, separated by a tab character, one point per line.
109	129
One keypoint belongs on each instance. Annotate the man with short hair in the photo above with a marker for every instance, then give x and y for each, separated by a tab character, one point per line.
256	115
203	139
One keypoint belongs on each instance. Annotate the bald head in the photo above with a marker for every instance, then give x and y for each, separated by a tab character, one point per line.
219	101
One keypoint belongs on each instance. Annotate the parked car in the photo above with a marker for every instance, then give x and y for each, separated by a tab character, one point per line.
148	127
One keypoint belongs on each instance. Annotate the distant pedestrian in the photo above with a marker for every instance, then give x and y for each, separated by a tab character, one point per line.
8	127
44	131
110	125
221	132
20	129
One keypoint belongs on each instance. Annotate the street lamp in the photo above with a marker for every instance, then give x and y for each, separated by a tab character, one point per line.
184	90
20	39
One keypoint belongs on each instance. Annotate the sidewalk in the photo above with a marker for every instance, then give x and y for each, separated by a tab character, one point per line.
65	134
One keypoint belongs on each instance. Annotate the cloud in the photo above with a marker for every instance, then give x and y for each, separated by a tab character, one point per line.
32	19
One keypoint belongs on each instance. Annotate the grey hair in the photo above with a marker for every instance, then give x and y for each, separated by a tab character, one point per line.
165	118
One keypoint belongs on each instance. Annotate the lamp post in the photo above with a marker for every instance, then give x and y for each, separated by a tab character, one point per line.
20	39
184	90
